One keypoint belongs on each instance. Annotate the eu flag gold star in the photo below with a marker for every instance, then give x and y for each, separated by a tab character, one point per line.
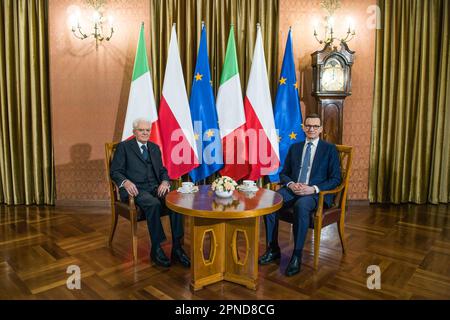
293	136
282	81
279	138
209	133
296	85
198	77
196	136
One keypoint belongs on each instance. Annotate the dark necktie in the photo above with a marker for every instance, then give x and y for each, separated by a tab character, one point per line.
305	164
144	152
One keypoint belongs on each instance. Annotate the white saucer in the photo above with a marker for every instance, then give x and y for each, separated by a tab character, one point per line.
181	190
248	189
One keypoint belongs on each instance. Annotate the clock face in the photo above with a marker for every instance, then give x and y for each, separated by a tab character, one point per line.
332	77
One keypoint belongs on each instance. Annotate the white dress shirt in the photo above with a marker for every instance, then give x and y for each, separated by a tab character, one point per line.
140	144
313	147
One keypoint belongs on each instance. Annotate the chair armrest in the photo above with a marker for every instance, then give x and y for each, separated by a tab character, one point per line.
274	186
334	191
322	197
175	183
130	198
116	190
131	202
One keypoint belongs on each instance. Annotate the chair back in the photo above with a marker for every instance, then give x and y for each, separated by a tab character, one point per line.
345	160
110	148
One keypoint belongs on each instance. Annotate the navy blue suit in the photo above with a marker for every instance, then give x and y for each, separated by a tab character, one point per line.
325	174
147	175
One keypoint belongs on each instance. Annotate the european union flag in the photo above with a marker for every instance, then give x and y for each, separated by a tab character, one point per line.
288	116
204	117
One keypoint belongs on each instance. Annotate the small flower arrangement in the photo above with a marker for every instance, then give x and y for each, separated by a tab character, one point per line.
224	184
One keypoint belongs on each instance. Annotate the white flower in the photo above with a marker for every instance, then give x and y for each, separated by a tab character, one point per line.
224	183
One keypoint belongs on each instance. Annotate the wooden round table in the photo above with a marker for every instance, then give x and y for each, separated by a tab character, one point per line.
223	220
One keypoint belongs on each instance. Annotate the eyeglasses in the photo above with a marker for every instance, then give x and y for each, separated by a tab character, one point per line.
309	127
143	130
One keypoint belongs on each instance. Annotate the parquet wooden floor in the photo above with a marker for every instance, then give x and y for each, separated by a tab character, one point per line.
410	244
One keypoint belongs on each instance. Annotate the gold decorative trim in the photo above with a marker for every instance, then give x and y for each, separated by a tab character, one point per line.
234	247
214	245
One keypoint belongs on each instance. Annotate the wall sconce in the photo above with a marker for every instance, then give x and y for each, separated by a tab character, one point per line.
98	19
331	6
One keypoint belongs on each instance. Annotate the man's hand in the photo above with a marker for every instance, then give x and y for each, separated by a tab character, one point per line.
131	188
163	188
305	190
302	189
295	187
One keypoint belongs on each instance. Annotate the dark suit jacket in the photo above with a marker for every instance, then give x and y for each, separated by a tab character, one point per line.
128	163
325	171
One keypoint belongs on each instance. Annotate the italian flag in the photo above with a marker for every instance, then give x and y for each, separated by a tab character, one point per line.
230	111
177	133
263	151
141	101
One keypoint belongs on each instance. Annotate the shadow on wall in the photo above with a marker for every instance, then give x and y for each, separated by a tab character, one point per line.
81	178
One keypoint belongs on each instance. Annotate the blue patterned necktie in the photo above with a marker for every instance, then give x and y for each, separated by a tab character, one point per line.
144	152
305	164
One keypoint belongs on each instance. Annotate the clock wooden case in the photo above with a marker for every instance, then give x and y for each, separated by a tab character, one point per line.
332	83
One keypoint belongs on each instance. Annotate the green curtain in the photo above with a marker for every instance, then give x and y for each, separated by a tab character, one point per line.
410	147
26	155
218	15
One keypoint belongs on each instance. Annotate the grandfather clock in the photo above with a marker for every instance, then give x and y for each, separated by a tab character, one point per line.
332	83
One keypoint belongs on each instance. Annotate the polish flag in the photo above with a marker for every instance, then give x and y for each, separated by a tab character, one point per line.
141	101
177	134
263	150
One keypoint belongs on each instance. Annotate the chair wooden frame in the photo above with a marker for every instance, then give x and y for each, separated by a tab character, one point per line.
129	211
336	214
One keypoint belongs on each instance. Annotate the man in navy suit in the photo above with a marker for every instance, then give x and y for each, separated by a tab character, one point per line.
310	166
138	170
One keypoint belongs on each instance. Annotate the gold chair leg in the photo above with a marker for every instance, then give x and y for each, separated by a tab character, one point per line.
134	237
114	218
317	231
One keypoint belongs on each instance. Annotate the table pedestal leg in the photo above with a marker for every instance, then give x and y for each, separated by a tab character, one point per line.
242	267
225	261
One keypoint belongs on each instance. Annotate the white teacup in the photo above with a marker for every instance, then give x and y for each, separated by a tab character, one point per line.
187	186
249	183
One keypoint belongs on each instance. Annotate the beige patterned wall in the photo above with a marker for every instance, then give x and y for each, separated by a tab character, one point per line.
89	94
89	88
300	14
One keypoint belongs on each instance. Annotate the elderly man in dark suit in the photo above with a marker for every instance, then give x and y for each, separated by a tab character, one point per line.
138	170
310	166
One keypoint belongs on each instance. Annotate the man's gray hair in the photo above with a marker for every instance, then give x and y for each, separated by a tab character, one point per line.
139	120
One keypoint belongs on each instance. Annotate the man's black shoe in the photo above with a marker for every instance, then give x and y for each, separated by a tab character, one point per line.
159	258
270	255
293	266
179	255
